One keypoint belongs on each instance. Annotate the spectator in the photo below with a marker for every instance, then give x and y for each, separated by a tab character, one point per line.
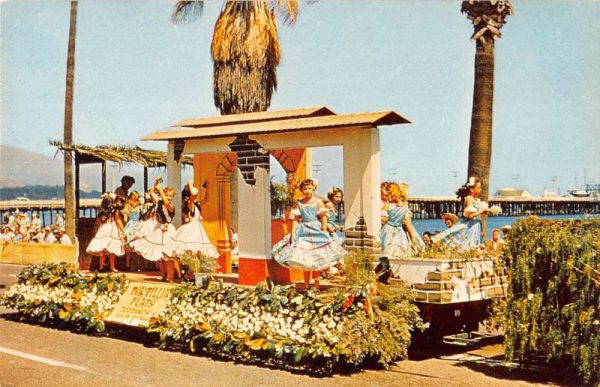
49	235
63	238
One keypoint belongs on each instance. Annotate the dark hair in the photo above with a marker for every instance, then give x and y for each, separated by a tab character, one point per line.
334	191
127	178
464	190
428	233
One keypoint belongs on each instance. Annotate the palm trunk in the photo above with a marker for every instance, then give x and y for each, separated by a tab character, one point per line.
70	215
480	145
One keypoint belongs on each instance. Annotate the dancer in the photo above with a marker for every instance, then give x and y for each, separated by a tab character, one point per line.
335	197
133	213
191	236
449	219
156	231
466	234
309	247
398	237
110	235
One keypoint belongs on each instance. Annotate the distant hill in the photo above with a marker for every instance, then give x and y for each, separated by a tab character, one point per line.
41	192
20	167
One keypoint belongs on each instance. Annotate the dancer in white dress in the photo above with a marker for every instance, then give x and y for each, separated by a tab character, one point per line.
110	236
191	235
156	232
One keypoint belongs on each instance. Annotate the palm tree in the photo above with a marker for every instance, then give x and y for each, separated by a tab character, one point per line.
70	215
245	51
488	17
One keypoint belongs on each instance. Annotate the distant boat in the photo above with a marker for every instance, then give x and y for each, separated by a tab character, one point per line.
579	193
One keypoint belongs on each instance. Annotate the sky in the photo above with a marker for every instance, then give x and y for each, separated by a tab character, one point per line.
136	72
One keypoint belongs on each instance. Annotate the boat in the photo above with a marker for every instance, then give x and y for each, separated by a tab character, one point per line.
579	193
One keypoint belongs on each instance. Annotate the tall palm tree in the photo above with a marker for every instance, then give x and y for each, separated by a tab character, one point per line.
70	215
488	17
245	51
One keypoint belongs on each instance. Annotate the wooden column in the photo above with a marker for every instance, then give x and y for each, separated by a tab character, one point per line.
174	181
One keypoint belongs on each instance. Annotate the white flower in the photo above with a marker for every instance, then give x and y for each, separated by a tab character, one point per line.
530	296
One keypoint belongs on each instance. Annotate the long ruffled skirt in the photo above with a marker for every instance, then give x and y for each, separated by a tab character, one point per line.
396	243
107	240
153	239
463	235
192	237
312	249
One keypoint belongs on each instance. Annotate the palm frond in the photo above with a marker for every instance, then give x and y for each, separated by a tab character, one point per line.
487	16
186	11
245	50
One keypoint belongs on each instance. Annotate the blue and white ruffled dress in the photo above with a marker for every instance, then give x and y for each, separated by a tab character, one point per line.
312	248
395	241
464	235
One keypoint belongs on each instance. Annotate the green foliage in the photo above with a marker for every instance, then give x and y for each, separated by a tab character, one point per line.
198	262
276	325
281	197
553	304
59	293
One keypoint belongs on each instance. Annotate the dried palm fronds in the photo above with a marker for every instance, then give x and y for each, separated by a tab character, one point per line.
487	16
246	52
186	11
121	154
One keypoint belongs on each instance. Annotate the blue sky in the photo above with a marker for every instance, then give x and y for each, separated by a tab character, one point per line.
136	73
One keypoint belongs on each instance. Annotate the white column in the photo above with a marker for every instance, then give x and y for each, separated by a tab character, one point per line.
174	180
362	165
254	216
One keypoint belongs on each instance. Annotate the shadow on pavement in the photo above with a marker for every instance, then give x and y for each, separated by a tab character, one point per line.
546	374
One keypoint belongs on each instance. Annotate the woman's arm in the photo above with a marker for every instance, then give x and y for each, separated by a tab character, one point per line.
166	202
470	212
206	190
119	221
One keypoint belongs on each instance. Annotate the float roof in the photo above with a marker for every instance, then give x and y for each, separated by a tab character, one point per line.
273	122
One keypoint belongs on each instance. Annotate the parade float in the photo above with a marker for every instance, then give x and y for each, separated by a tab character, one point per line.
347	328
265	320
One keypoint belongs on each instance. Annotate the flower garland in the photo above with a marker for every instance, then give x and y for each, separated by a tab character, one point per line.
275	324
62	294
268	324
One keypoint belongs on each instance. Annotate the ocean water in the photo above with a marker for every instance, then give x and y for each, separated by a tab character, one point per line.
436	225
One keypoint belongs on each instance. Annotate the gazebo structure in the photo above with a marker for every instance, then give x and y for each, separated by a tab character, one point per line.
237	147
101	154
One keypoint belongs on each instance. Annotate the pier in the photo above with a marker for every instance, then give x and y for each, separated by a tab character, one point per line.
47	208
434	207
422	207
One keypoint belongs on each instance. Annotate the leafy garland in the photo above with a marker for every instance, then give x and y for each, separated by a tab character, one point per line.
269	324
277	325
59	293
553	304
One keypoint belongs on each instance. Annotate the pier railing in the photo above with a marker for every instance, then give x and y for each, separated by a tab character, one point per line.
47	208
422	207
434	207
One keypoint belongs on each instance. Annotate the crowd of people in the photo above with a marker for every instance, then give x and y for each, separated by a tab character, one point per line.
20	227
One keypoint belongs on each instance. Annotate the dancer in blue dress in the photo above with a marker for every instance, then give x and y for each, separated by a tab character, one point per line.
309	247
335	197
466	234
133	215
398	237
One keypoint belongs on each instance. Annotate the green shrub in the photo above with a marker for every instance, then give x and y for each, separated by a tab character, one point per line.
553	304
